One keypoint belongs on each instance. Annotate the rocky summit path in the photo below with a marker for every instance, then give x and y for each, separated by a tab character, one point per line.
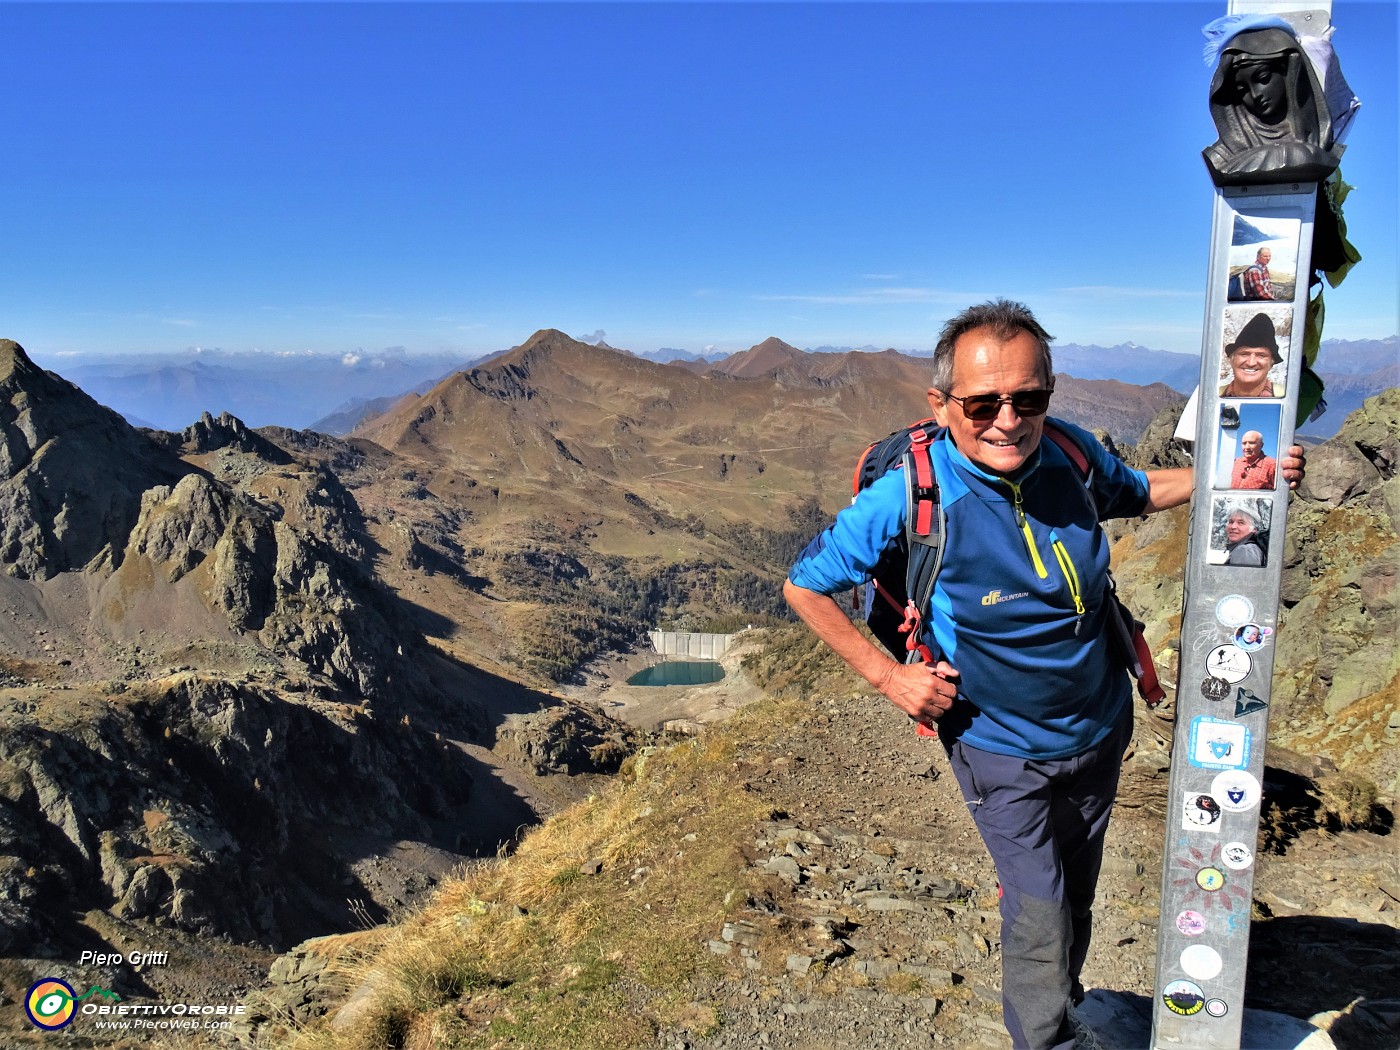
878	925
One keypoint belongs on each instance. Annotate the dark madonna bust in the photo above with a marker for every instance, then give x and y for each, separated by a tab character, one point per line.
1269	109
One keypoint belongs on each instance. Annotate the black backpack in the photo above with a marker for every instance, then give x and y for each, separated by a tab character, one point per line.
902	582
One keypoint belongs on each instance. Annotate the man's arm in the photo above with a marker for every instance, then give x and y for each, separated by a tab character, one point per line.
1168	488
923	691
1172	487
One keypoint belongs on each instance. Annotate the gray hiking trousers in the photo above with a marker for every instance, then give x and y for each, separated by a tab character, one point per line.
1043	823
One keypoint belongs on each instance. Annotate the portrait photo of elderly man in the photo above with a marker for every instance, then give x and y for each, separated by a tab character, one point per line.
1252	469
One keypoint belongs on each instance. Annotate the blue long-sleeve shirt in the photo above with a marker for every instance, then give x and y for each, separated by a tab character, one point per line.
1019	604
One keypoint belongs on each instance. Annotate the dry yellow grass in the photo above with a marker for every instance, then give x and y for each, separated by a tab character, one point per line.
590	935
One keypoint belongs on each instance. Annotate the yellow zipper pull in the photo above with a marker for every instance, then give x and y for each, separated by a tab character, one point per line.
1067	567
1026	531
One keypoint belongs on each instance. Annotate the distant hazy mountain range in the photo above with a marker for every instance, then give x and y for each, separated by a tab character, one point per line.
335	393
171	391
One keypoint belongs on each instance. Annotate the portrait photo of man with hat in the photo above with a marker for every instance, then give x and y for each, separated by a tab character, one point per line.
1251	357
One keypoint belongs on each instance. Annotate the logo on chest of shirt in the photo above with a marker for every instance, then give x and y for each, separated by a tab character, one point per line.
996	597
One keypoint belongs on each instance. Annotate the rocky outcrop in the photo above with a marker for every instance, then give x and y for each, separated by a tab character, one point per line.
215	807
1337	678
209	434
571	738
71	473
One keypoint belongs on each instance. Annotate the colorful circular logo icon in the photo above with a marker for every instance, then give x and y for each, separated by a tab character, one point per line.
1210	879
1183	997
50	1003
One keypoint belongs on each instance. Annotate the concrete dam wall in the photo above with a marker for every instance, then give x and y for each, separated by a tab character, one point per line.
690	644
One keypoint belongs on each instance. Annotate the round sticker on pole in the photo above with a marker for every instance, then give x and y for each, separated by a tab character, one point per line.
1234	610
1236	790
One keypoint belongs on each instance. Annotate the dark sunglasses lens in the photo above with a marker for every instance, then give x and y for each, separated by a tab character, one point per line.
982	407
1031	402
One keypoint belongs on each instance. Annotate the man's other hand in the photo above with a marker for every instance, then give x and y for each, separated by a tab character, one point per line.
1294	466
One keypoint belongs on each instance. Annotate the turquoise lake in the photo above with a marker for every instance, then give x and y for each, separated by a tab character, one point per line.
679	672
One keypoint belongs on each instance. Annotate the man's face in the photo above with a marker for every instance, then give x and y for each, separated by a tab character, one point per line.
1252	444
983	364
1251	364
1264	256
1237	527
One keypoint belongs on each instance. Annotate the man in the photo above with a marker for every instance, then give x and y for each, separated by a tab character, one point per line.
1258	284
1251	355
1031	702
1253	470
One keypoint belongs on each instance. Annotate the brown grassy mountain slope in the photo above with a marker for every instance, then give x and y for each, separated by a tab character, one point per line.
567	430
593	493
759	360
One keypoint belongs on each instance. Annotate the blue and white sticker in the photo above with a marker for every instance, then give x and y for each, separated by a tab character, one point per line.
1217	743
1236	790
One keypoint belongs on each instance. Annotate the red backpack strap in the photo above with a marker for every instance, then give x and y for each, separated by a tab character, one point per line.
923	490
1070	448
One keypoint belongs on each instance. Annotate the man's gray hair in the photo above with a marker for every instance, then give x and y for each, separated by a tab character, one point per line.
1006	319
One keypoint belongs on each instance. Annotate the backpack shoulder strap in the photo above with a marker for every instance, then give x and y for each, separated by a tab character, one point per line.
925	524
1079	459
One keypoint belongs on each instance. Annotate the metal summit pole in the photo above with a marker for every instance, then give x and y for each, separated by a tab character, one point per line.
1276	145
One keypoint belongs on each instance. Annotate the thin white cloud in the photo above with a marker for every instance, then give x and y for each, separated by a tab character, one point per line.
880	276
180	322
1108	291
876	296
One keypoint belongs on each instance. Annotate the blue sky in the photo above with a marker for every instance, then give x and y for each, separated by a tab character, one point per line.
453	176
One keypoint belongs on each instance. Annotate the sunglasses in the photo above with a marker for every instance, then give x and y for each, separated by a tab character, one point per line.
982	407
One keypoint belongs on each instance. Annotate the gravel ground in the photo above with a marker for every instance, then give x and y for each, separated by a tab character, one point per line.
879	926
